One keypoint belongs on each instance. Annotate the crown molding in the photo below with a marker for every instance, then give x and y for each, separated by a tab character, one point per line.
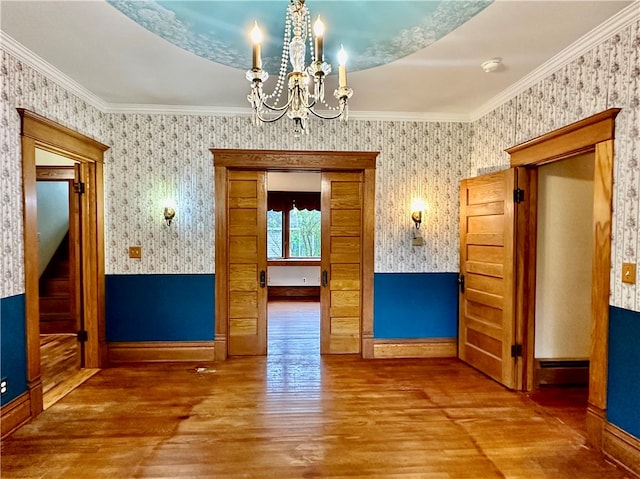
153	109
599	34
409	116
17	50
602	32
148	109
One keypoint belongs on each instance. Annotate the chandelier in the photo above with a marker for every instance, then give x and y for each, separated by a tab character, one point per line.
303	99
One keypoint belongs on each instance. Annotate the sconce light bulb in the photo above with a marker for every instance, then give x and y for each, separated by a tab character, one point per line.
169	210
416	216
169	214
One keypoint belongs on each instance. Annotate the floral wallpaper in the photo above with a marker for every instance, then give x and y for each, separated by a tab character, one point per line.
157	156
153	157
605	77
21	86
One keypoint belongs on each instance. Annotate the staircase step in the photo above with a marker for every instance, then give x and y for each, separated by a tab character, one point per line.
55	287
57	326
60	268
55	304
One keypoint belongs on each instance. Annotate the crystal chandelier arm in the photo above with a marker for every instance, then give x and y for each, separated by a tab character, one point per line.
277	108
327	117
271	120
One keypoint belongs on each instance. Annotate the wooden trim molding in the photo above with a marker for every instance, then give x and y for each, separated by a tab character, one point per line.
60	139
162	351
415	348
294	160
15	414
54	173
593	134
621	448
282	160
569	140
38	132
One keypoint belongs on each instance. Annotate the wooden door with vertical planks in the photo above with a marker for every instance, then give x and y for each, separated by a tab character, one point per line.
247	253
487	271
341	274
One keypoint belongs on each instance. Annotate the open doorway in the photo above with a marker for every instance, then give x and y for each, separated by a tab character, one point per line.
60	285
293	263
39	133
564	246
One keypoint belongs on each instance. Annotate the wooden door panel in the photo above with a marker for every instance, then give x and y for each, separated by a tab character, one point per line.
487	263
242	277
479	281
243	249
247	257
243	327
342	196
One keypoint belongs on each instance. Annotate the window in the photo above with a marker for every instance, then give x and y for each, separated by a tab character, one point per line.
293	232
304	233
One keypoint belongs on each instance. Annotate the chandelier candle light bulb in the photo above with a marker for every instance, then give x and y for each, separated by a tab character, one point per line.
256	36
318	29
342	68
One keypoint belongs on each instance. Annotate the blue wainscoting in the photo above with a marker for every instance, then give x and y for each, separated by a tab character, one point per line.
160	307
13	346
415	305
623	395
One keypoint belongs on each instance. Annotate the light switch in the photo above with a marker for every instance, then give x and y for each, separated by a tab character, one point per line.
629	273
135	252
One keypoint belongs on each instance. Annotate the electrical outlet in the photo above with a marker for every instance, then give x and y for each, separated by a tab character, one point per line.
4	386
135	252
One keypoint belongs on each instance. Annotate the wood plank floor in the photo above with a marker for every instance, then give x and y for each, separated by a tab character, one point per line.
295	414
59	357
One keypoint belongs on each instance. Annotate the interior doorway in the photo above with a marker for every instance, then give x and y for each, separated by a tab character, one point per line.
60	278
294	247
39	133
348	186
564	260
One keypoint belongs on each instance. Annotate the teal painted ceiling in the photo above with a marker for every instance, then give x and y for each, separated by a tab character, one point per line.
373	32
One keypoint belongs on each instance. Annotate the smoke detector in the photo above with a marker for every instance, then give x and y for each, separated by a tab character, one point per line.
491	65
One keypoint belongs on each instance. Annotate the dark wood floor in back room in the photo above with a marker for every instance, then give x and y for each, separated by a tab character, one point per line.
295	414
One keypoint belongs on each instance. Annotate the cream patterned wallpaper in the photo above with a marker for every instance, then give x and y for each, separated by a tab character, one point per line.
157	156
21	86
607	76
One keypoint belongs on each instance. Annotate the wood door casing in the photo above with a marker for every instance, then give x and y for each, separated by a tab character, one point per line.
246	230
227	160
37	132
487	239
341	294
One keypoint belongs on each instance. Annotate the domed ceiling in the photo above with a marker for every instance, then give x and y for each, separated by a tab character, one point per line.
373	33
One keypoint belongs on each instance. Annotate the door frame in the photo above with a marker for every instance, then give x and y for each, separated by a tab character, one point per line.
39	132
593	134
286	160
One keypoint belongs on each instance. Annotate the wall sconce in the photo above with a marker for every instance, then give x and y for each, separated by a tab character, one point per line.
169	211
416	211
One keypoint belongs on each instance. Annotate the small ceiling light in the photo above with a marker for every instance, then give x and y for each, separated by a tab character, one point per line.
491	65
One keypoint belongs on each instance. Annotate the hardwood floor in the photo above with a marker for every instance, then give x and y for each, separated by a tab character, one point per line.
296	414
60	358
